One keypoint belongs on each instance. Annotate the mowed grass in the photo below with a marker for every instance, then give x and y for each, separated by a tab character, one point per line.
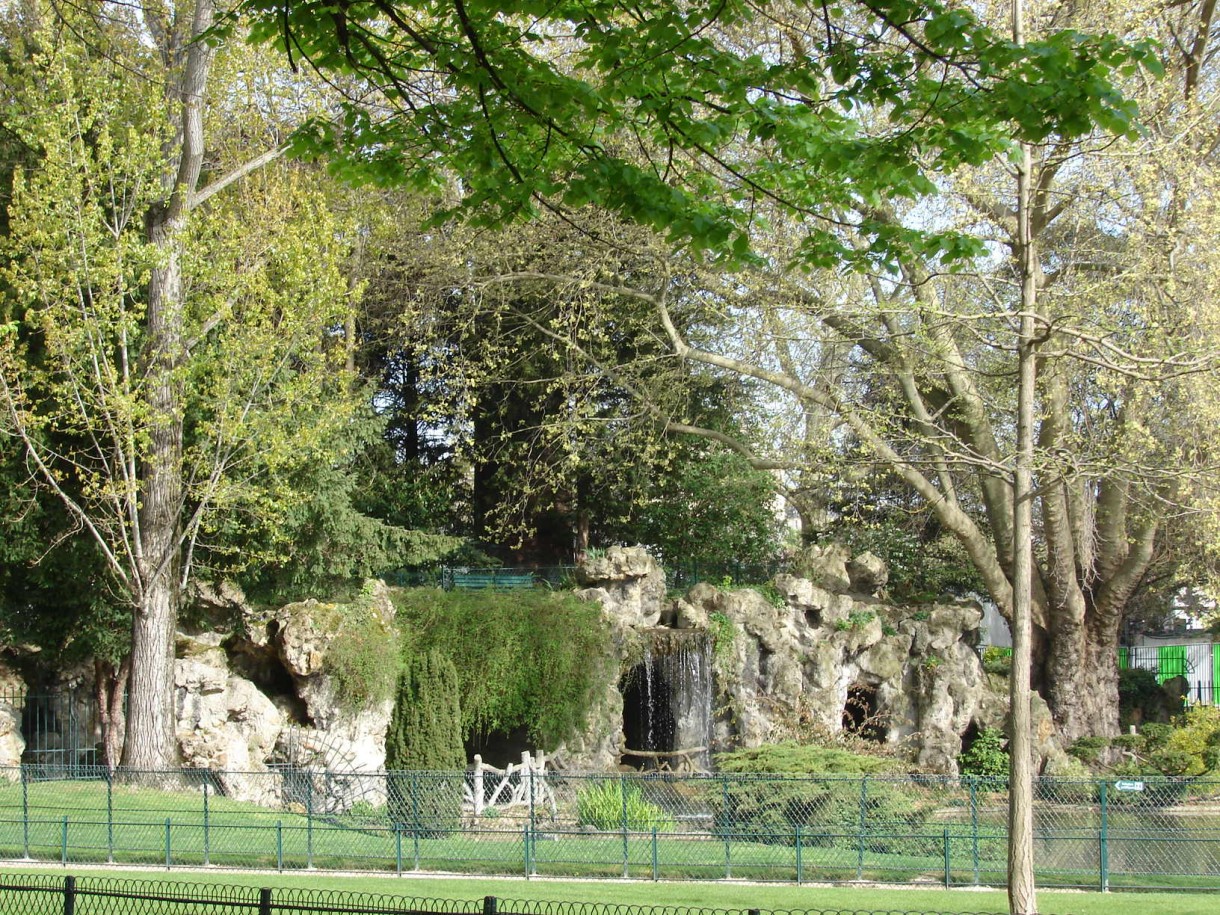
714	895
138	825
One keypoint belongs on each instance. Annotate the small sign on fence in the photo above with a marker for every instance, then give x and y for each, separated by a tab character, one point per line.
1128	785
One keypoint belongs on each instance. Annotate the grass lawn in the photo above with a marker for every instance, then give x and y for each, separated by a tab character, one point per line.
83	824
719	895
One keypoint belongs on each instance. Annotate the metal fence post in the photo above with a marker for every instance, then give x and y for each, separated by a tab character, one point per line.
207	828
948	868
279	845
25	813
415	818
799	863
489	905
656	862
1103	837
309	821
264	901
974	827
63	843
109	816
863	825
622	790
728	827
532	825
69	895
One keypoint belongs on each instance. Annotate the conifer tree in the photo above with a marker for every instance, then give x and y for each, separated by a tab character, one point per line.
424	746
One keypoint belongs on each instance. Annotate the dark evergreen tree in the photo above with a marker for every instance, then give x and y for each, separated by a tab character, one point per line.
424	751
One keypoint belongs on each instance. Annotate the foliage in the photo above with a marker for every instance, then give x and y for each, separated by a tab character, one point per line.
997	660
711	508
1088	749
1140	696
723	632
1193	746
924	565
425	735
824	795
986	756
858	619
319	537
525	659
610	805
425	731
790	758
581	122
361	657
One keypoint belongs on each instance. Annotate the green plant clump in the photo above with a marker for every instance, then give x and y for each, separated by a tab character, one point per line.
723	632
611	805
1088	749
997	660
824	797
356	659
986	757
525	659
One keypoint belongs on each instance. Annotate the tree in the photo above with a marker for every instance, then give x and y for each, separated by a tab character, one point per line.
425	734
165	321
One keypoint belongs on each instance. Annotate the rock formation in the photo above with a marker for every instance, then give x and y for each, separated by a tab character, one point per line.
11	742
824	653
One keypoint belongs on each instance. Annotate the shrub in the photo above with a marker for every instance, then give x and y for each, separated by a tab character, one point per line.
605	805
1088	749
823	795
425	734
997	660
986	757
1193	747
362	659
530	659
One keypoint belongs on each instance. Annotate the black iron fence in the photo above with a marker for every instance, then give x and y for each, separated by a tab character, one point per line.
37	894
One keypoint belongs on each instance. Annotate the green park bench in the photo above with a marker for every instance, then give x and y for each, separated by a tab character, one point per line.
493	579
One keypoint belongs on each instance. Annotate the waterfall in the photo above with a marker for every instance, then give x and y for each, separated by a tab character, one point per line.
668	696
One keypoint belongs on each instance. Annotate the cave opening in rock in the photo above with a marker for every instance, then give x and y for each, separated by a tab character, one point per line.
648	720
264	668
861	713
499	748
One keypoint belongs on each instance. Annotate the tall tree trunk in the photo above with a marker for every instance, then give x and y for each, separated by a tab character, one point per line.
1022	892
150	740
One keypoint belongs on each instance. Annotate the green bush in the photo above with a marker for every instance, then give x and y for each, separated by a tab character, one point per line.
605	805
986	757
822	794
997	660
1193	746
1088	749
525	659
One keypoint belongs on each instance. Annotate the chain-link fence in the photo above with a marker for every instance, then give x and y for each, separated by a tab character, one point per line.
1108	833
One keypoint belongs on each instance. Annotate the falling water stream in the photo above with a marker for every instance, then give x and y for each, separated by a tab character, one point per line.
667	697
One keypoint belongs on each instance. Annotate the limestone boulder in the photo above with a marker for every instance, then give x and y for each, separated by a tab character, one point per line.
868	573
301	634
628	582
224	722
826	657
825	566
12	744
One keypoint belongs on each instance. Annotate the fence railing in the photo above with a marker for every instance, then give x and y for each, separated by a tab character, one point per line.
1151	833
37	894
